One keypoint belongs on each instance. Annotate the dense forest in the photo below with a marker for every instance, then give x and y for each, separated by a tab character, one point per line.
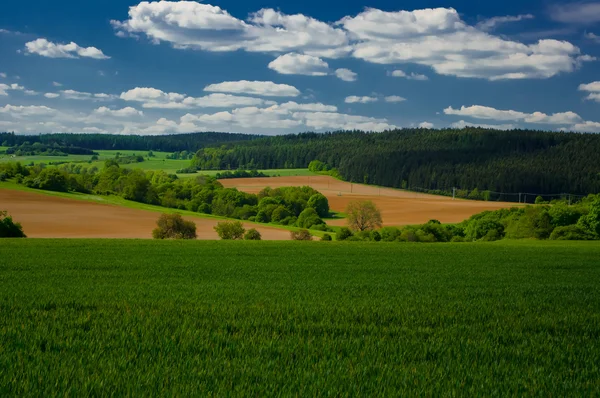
472	158
163	143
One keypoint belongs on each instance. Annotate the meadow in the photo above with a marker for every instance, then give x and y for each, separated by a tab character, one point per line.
118	317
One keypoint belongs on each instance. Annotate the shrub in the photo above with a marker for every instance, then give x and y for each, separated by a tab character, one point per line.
173	226
302	234
261	216
389	234
481	228
571	232
343	234
9	228
320	203
280	213
230	230
326	237
375	236
308	218
252	234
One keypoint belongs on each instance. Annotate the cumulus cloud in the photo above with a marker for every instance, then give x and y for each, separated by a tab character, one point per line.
312	107
586	127
341	121
346	75
56	84
299	64
484	112
592	36
48	49
261	88
81	96
18	111
124	112
394	98
412	76
593	89
462	124
426	125
188	24
493	23
581	13
4	88
51	95
3	75
353	99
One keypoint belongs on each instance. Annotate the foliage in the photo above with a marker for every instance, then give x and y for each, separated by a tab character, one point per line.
9	228
252	234
239	174
326	237
591	221
37	148
571	232
343	234
320	203
230	230
173	226
124	317
363	215
301	234
308	218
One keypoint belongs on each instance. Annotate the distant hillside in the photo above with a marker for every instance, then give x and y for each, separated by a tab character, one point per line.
166	143
502	161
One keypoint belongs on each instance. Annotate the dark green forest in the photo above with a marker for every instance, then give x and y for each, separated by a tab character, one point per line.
163	143
472	158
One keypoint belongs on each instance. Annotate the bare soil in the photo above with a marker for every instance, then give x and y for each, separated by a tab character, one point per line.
44	216
398	207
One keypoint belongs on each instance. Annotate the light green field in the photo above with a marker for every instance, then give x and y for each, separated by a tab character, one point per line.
172	318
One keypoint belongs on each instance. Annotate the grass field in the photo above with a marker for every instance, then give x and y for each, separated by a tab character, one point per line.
88	317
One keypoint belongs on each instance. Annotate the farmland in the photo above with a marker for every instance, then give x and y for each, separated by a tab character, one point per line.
398	207
88	317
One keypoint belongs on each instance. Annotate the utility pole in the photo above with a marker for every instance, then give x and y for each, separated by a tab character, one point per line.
453	193
519	197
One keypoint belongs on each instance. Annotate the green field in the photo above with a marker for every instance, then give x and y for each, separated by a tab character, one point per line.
104	317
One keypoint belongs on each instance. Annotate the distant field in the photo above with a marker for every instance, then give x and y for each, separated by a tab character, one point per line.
93	317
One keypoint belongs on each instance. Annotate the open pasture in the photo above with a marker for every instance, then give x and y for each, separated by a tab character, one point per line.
125	317
398	207
50	216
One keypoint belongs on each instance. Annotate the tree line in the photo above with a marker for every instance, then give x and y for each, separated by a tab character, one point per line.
436	160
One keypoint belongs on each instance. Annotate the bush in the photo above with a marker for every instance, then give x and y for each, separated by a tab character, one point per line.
390	234
302	234
308	218
8	228
173	226
571	232
230	230
252	234
326	237
320	203
375	236
343	234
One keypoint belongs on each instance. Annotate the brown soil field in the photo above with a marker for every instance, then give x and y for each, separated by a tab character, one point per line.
398	207
44	216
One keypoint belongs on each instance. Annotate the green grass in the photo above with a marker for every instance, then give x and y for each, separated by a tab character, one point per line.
102	317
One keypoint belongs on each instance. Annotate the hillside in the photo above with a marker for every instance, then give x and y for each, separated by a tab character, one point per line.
473	158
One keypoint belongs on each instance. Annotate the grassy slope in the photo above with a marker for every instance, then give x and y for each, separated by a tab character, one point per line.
81	317
119	201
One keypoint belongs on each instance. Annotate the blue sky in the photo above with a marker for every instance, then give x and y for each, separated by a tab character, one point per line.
278	67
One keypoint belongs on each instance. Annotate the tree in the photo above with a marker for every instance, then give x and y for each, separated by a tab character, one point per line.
230	230
343	234
9	228
173	226
326	237
308	218
591	221
320	203
302	234
363	215
252	234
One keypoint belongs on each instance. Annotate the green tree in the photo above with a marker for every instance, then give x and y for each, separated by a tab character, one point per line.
320	203
230	230
363	215
173	226
9	228
326	237
252	234
343	233
591	221
308	218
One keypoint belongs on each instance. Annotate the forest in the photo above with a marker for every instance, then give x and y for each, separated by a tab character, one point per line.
437	160
164	143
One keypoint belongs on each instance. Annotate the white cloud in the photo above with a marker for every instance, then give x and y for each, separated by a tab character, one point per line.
3	75
261	88
188	24
78	95
51	95
340	121
580	13
345	74
586	127
18	111
313	107
30	92
4	88
353	99
56	84
299	64
440	39
412	76
48	49
426	125
484	112
219	100
493	23
125	112
462	124
592	36
394	98
594	90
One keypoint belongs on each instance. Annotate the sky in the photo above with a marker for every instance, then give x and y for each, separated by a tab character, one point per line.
269	67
